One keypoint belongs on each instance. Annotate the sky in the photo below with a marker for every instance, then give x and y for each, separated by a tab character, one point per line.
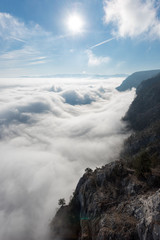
48	37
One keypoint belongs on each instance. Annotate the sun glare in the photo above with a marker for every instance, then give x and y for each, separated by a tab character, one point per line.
75	24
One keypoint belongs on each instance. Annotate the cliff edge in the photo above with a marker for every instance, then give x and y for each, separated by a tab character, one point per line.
120	200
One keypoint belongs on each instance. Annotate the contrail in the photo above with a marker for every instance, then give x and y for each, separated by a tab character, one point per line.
17	39
101	43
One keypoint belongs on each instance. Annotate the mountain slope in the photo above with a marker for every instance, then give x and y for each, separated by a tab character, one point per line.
135	79
143	117
145	109
121	200
108	204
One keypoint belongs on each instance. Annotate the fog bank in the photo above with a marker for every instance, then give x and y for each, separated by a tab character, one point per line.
51	130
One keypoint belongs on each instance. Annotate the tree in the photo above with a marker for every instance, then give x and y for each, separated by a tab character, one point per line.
88	170
61	202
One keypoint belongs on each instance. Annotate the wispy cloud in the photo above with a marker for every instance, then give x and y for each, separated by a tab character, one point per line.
133	18
94	60
37	62
11	27
17	39
21	56
101	43
40	58
32	42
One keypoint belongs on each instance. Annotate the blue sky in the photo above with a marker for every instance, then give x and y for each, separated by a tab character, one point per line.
35	39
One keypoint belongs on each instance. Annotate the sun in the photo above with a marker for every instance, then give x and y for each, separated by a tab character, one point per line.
75	24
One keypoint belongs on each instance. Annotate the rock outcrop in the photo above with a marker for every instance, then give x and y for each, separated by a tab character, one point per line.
111	203
149	225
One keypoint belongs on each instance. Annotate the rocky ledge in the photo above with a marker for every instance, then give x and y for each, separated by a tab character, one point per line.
111	203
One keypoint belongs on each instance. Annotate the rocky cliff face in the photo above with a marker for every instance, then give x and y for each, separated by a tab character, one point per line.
143	117
145	109
111	203
122	199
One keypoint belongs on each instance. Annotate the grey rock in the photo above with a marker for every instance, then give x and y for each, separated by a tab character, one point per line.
149	225
110	203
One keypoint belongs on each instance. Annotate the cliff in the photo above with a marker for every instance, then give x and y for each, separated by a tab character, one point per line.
121	200
143	117
111	203
145	109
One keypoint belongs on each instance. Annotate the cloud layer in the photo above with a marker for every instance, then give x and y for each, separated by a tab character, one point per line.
51	130
133	18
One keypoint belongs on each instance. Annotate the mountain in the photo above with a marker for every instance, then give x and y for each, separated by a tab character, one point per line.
72	75
143	117
121	200
145	109
136	78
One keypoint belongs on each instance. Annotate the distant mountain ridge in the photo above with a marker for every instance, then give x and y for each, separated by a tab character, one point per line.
135	79
77	76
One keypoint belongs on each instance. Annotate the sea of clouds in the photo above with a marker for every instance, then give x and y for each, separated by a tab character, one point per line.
50	131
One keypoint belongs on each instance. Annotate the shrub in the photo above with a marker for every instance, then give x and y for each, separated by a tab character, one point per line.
61	202
88	170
